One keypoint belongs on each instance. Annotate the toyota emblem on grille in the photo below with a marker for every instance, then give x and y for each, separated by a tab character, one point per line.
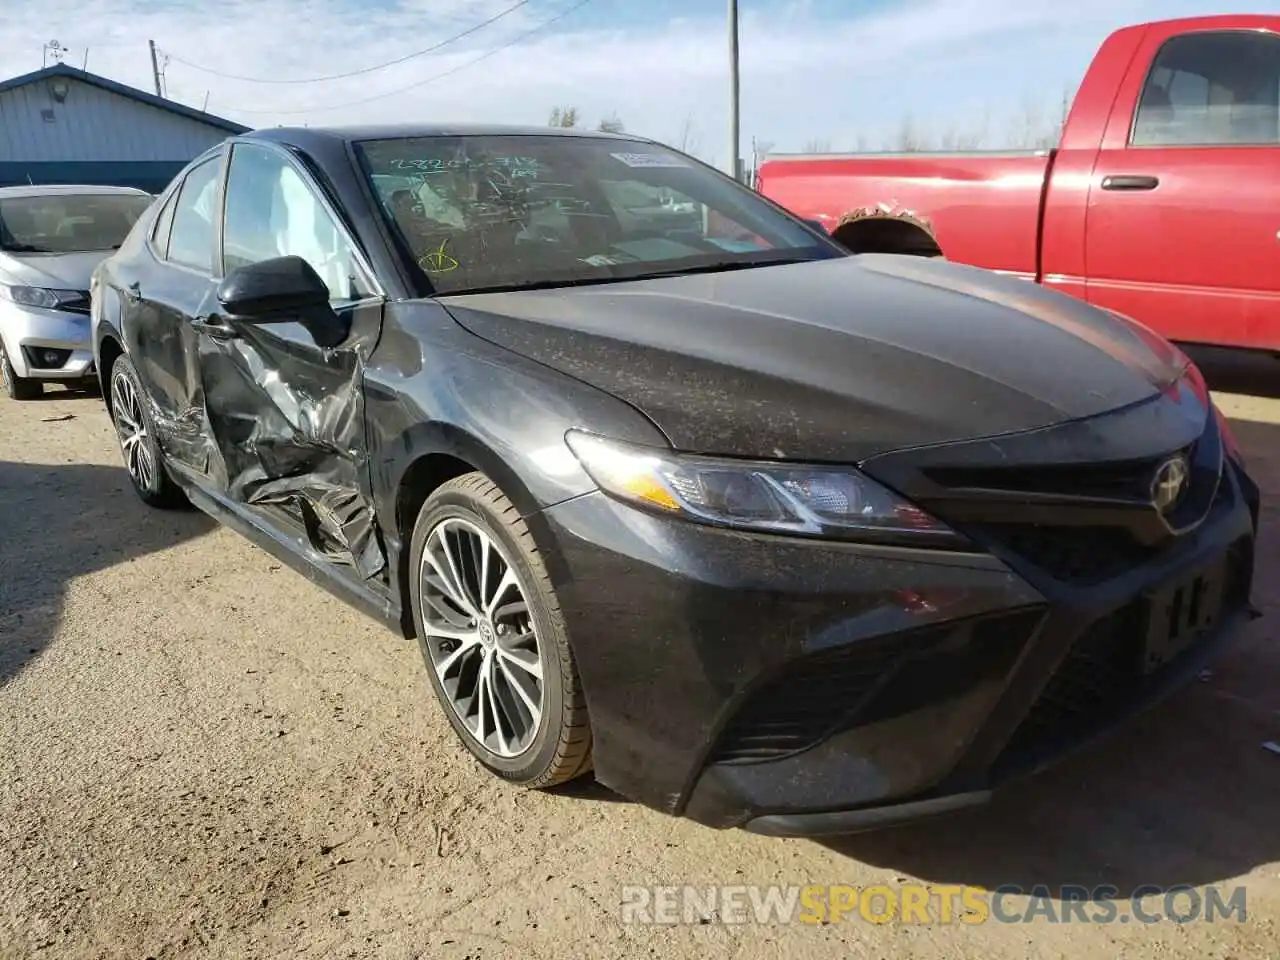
1169	483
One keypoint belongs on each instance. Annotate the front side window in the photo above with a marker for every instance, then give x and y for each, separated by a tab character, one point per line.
477	213
68	223
1212	89
191	236
271	211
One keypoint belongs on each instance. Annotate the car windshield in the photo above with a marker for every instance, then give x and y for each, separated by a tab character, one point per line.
483	213
68	223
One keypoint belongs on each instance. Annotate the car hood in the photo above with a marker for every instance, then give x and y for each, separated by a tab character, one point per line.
59	271
833	360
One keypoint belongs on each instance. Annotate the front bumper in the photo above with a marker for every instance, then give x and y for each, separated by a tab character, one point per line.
30	333
800	687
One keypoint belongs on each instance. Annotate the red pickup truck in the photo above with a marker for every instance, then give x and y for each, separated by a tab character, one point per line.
1162	200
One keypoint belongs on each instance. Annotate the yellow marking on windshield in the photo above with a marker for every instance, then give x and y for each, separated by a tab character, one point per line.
437	261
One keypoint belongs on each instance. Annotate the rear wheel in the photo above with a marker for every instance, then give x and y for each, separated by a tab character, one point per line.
138	444
493	637
16	387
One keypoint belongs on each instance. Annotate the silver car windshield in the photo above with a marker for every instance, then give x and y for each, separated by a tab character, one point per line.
68	223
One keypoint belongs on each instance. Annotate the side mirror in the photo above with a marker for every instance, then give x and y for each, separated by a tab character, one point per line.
283	290
279	289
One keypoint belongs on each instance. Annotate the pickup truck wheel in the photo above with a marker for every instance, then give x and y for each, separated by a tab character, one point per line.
16	387
138	444
491	633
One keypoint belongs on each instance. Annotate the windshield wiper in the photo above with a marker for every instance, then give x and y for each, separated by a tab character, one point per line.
535	285
721	265
715	267
23	248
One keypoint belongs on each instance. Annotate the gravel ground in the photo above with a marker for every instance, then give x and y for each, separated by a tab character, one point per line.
203	755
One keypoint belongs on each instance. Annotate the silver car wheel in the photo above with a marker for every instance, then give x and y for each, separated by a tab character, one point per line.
132	430
481	637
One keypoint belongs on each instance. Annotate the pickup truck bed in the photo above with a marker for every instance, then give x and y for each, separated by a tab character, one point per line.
1161	201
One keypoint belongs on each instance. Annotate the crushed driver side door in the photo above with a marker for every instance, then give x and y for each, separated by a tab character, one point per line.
286	408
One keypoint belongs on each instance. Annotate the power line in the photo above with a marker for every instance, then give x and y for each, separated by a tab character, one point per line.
355	73
438	76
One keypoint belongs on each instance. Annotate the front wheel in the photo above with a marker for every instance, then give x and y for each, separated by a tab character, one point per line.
138	444
16	387
493	638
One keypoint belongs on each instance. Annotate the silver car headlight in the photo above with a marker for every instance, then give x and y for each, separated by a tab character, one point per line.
763	496
39	296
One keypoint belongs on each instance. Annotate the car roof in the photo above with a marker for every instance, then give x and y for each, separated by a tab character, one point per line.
68	189
309	136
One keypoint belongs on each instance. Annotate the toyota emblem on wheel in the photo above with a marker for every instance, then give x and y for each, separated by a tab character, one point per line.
1169	483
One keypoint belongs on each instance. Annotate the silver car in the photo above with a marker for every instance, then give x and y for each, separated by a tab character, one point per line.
51	238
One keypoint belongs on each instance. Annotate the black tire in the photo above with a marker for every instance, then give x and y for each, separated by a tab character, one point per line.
16	387
561	748
155	487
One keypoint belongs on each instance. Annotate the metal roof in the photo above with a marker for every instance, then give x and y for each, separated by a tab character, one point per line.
133	93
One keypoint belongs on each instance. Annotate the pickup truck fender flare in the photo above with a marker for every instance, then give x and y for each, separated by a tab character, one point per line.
887	228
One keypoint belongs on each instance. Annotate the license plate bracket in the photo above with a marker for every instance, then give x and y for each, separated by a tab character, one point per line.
1181	613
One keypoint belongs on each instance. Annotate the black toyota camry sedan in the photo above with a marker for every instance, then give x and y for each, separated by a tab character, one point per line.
665	483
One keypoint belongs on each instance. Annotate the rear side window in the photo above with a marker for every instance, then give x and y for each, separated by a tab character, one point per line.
1212	89
164	222
191	239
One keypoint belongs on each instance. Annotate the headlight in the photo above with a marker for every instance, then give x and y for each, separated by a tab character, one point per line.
1228	435
761	496
38	296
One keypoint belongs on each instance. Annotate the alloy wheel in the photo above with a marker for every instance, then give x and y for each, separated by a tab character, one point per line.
132	429
481	638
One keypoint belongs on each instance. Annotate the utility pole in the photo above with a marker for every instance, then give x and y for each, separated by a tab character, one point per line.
735	170
155	67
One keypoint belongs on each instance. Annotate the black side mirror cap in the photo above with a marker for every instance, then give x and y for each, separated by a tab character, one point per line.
280	288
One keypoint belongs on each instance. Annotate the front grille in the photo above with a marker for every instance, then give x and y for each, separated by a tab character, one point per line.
79	304
1118	480
1101	676
1083	556
875	679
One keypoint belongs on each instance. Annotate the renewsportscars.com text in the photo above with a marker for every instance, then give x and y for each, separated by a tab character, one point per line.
930	903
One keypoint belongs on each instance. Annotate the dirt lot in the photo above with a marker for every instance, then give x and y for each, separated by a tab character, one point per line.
203	755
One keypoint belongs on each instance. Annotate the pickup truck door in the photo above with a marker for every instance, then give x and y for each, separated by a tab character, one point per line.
1183	223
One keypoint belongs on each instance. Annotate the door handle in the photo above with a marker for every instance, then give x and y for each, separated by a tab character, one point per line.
1130	181
213	327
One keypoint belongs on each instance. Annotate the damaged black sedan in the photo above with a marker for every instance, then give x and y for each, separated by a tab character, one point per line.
665	483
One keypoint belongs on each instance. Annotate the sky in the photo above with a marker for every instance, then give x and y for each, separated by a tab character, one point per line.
832	75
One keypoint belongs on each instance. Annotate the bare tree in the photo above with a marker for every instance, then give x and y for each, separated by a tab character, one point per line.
688	138
817	145
909	138
563	117
971	137
611	124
